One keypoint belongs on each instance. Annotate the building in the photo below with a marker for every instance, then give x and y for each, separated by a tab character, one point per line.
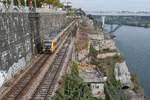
94	78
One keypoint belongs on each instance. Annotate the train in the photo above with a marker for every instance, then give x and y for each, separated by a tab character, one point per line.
50	45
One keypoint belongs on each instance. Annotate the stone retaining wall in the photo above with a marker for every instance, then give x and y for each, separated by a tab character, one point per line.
21	36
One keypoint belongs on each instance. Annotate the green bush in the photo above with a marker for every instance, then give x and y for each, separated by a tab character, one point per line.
93	51
73	87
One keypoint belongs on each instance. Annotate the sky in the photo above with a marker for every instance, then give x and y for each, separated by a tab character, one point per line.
111	5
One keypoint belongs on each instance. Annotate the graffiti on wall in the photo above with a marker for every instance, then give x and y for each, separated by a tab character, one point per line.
15	42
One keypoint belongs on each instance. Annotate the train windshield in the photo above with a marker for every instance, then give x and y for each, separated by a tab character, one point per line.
47	43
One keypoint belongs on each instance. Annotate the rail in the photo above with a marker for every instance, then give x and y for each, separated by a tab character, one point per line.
18	88
45	89
47	83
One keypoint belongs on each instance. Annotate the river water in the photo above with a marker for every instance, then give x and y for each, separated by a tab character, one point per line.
134	44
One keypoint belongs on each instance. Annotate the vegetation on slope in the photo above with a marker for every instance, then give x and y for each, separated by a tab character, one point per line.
73	87
82	41
106	66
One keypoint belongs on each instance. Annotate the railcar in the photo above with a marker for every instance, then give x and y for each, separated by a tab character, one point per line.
50	45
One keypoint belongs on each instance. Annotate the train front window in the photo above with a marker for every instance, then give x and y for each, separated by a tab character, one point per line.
47	44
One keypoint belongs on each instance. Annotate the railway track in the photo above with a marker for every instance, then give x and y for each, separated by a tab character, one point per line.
45	89
33	72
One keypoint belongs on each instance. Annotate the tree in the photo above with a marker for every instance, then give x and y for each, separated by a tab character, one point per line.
73	87
53	2
60	5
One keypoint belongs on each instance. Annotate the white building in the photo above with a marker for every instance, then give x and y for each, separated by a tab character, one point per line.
98	90
96	80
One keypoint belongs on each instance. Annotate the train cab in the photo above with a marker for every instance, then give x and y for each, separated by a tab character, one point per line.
47	45
51	44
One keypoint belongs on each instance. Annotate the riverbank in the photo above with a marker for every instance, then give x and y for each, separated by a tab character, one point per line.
133	43
99	67
130	89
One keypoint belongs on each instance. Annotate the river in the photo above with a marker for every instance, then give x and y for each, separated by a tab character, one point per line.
134	44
